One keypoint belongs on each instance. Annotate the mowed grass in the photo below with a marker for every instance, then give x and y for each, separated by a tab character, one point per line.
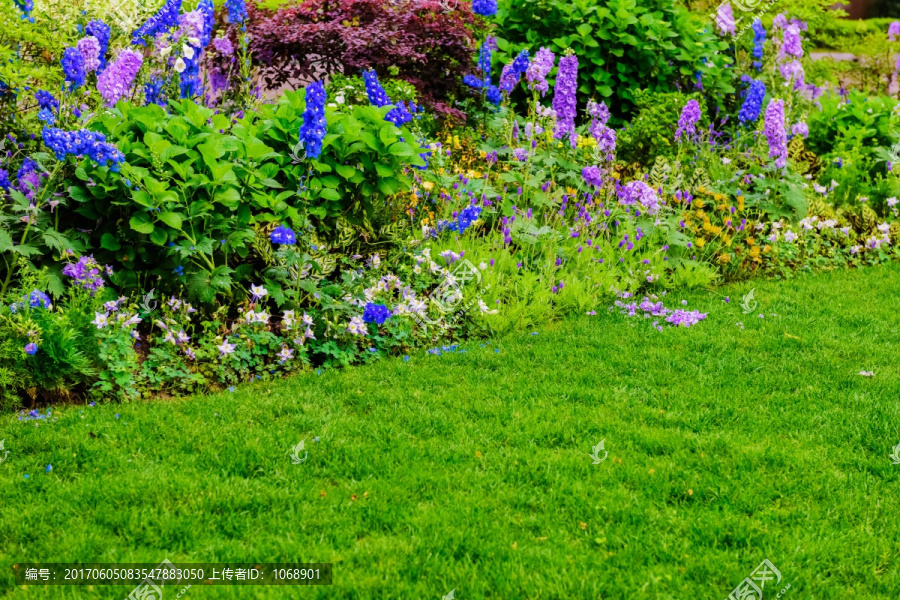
471	470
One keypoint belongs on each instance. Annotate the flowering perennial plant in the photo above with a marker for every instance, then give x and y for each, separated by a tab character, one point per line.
312	132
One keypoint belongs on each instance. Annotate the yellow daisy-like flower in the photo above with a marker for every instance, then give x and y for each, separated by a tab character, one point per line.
740	200
428	185
724	258
700	242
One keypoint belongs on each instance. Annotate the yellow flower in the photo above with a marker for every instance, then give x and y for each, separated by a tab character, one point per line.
724	258
740	200
428	185
700	242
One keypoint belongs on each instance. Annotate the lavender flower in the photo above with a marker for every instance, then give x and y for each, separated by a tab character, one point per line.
115	82
223	46
536	75
31	349
725	19
38	299
564	101
638	192
800	129
793	74
775	133
593	175
894	31
509	77
752	106
99	30
687	123
314	127
87	273
89	47
791	45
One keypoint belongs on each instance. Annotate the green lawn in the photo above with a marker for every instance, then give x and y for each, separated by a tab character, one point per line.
472	470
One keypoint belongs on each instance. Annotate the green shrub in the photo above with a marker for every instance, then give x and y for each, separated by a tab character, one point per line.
199	186
622	45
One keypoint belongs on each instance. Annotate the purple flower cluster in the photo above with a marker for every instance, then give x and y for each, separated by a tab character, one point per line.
86	272
793	73
894	31
223	46
687	123
775	133
73	67
605	136
164	20
540	67
5	183
638	192
564	101
752	106
312	132
82	143
283	235
99	30
115	82
376	313
38	299
800	129
509	78
678	317
399	115
485	8
791	44
237	11
89	47
30	178
593	175
725	19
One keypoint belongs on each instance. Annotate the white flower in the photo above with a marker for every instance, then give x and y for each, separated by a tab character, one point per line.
285	354
307	320
726	160
101	320
357	326
339	98
287	321
226	348
884	228
376	261
194	41
187	51
417	269
482	266
892	201
180	66
484	308
258	292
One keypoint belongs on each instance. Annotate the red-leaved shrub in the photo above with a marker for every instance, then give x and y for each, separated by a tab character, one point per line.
430	47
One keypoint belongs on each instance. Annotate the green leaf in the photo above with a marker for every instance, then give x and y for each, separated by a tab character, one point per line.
109	242
402	149
171	219
141	223
158	236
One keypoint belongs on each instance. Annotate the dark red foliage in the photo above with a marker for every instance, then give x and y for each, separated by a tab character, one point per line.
431	48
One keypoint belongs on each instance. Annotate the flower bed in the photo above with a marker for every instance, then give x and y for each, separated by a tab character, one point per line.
165	230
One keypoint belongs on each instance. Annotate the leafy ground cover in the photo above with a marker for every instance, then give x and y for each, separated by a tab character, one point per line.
470	470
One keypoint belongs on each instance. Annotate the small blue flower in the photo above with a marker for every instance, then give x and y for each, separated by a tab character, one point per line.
49	468
179	270
406	359
283	235
376	313
31	349
231	388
